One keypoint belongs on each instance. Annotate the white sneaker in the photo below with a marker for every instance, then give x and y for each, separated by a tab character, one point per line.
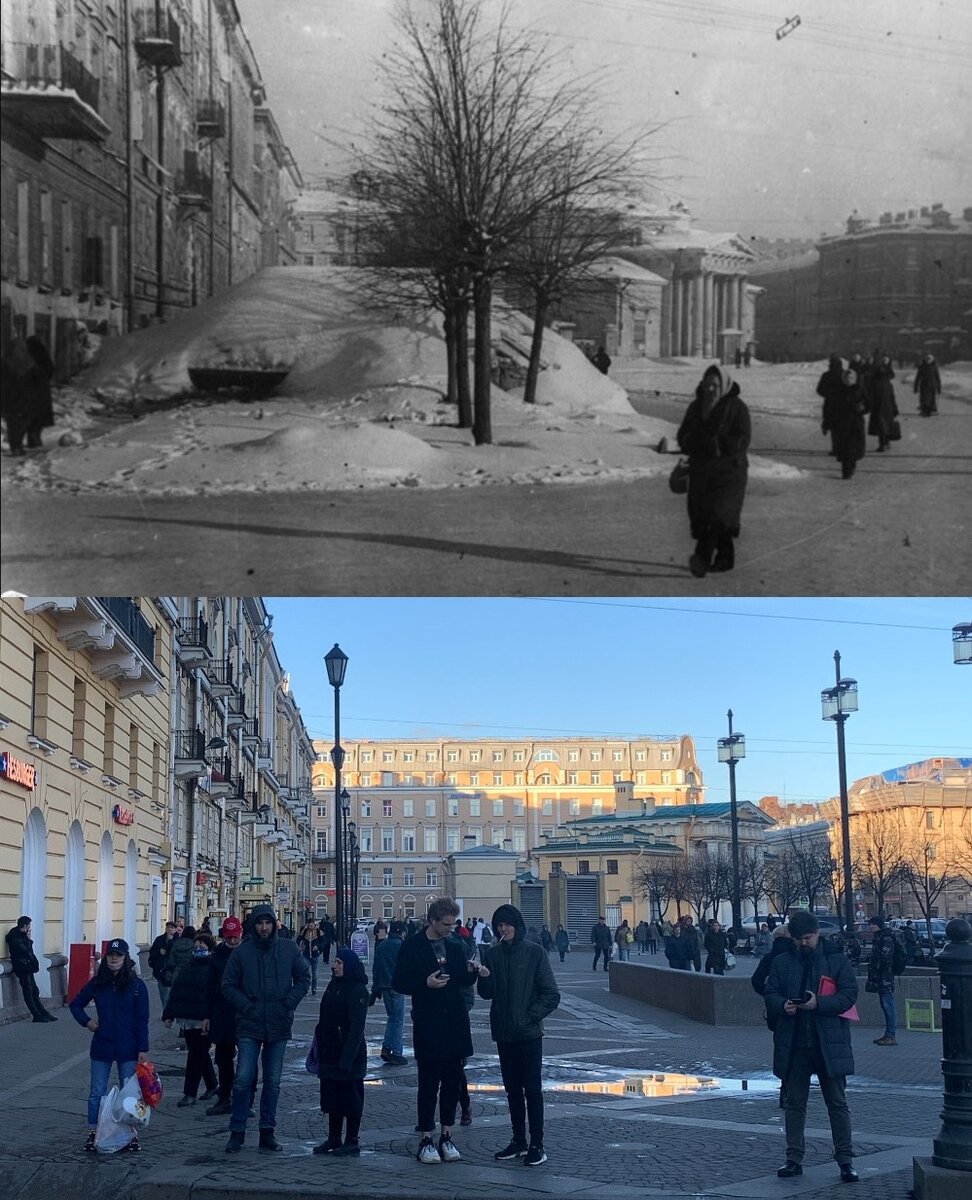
427	1152
447	1150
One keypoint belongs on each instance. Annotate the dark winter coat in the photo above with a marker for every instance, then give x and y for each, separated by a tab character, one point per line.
24	394
780	945
792	974
180	952
342	1053
884	408
928	384
188	998
22	954
43	415
386	955
679	951
521	986
601	936
562	939
716	945
222	1014
157	956
880	973
440	1019
718	467
122	1033
265	981
843	415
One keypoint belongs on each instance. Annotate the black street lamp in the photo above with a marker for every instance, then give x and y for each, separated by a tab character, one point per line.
349	832
837	703
336	662
962	644
731	749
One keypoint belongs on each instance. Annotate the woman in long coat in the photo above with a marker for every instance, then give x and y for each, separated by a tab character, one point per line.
715	434
21	394
845	418
342	1054
883	406
831	388
928	385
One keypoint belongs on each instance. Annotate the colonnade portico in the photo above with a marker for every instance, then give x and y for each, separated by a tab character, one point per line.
704	305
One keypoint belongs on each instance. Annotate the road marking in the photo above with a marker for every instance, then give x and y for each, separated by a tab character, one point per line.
34	1080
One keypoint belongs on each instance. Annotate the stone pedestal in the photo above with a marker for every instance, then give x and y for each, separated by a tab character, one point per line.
935	1183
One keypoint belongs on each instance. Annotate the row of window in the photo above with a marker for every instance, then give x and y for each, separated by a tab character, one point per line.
500	756
498	779
497	806
75	248
456	838
367	878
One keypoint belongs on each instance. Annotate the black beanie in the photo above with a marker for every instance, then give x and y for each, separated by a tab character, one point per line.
803	922
509	915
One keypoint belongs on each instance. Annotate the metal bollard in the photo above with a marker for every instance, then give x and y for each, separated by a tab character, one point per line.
952	1149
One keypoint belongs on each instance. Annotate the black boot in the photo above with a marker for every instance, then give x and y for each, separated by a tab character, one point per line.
268	1141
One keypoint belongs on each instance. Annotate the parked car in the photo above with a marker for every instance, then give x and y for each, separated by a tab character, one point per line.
937	931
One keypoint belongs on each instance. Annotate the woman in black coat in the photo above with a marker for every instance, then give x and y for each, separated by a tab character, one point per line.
342	1053
715	434
928	385
716	944
189	1003
884	407
678	950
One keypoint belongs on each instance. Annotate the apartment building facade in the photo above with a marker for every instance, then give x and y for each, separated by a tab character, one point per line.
141	171
153	764
418	803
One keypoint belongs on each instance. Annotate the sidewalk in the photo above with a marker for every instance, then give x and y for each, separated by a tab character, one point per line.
722	1141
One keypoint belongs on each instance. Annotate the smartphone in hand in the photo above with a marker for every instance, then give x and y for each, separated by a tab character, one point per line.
801	1000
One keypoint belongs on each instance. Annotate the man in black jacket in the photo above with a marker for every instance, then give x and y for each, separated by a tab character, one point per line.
523	991
157	956
265	979
602	939
26	966
807	990
386	955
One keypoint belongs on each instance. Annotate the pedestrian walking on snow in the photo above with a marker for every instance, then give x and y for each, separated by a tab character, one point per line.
928	385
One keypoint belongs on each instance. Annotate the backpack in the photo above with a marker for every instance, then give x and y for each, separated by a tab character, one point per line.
899	959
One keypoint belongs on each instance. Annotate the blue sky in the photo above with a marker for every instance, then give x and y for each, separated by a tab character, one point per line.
585	667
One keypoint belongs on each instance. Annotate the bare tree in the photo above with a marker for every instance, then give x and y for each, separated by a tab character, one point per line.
811	857
753	877
678	881
653	877
926	868
879	847
783	880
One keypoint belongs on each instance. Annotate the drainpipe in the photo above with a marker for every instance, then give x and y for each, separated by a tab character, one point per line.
129	175
193	784
171	806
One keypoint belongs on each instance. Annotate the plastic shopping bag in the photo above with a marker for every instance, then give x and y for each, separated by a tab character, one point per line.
150	1083
110	1136
129	1108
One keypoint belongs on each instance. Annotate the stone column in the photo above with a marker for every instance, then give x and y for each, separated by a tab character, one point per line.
675	345
709	314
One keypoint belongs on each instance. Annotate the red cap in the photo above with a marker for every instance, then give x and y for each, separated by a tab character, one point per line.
231	927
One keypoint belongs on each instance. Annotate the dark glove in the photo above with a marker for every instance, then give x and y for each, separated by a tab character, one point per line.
373	1000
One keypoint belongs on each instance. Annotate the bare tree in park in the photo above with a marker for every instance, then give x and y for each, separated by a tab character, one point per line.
810	854
880	851
783	879
653	878
678	879
477	140
753	876
926	868
707	881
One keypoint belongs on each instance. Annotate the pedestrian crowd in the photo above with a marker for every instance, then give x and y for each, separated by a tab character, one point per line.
237	996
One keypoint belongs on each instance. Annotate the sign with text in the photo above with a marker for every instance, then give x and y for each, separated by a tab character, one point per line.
122	816
17	771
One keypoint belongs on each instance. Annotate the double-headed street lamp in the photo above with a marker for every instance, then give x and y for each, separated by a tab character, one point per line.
837	703
731	749
336	662
962	644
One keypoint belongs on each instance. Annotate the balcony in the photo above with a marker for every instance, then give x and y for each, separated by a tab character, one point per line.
192	635
251	734
221	781
210	119
119	642
220	677
236	712
158	38
47	91
190	753
193	188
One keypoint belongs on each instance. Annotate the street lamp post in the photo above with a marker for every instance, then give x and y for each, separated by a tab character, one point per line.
336	662
349	831
731	749
837	703
962	644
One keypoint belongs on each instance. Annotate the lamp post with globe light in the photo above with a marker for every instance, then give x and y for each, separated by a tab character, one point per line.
837	703
731	749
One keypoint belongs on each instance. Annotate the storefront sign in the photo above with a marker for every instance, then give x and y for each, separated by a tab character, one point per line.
122	816
17	771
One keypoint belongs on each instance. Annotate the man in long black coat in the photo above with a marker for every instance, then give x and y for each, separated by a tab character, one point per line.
806	992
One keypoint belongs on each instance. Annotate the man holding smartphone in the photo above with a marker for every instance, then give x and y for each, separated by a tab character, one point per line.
810	1037
433	969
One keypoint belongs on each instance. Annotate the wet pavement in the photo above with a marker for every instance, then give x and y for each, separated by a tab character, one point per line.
638	1102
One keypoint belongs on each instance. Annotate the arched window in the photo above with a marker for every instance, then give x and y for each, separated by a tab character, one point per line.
106	887
74	886
33	886
544	780
546	756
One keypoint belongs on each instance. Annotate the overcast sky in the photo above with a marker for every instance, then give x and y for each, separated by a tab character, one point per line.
865	105
469	668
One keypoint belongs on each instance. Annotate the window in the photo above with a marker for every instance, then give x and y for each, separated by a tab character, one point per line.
46	236
430	782
431	877
474	806
387	756
474	779
519	840
518	756
366	756
573	755
573	808
452	756
583	867
496	837
386	876
517	808
572	777
366	906
641	776
387	841
408	877
408	908
612	866
929	819
39	685
67	244
666	756
475	755
595	756
597	806
475	832
618	777
365	877
497	806
617	756
321	842
666	777
388	779
546	807
110	751
431	839
408	841
409	780
322	810
366	840
322	879
408	807
544	781
430	756
497	756
451	780
366	808
497	779
408	756
556	868
546	756
453	806
386	808
77	737
641	756
452	838
387	909
23	231
595	777
430	806
518	778
365	781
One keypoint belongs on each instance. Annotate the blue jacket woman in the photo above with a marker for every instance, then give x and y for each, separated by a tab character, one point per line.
120	1027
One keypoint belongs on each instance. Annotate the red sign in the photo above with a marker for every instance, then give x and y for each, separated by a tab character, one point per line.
122	816
17	771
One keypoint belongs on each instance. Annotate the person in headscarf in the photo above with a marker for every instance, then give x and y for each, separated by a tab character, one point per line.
928	385
715	434
342	1054
883	406
843	416
831	388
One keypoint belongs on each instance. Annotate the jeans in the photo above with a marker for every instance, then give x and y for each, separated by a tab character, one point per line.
394	1026
890	1016
652	946
313	966
804	1063
438	1078
100	1074
28	985
623	953
246	1067
163	992
520	1067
